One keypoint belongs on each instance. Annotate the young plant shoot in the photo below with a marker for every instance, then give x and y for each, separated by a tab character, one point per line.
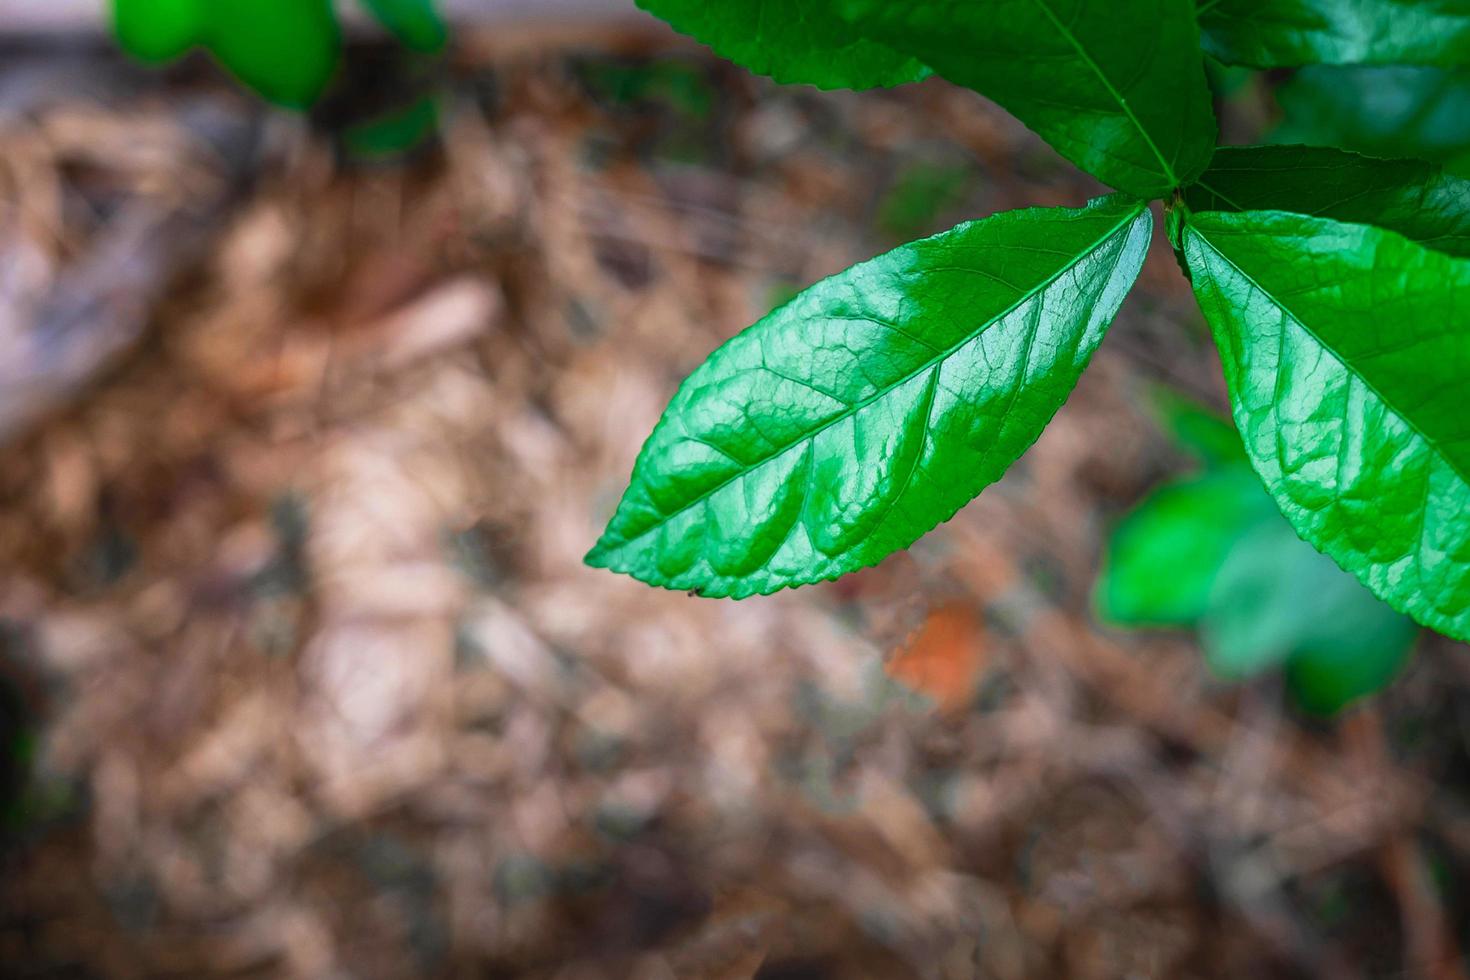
867	410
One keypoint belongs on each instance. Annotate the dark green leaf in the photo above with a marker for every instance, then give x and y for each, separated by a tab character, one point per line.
1290	33
849	422
1164	557
416	23
395	132
1414	198
1118	88
796	42
287	50
156	30
1276	601
1383	112
1326	679
1346	349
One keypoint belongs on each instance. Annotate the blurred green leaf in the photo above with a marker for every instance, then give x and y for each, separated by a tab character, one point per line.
1290	33
917	197
1164	556
394	133
157	30
1279	601
1397	111
1206	435
287	50
416	23
1212	551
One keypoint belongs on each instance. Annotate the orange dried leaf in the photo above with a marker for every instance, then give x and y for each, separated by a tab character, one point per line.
943	657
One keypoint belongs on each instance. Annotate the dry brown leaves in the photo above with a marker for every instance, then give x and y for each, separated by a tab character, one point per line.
330	693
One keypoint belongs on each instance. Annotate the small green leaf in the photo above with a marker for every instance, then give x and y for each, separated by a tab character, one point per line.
846	424
1291	33
1164	557
156	30
1398	111
1198	430
1118	88
1276	601
416	23
1346	350
796	42
1327	678
1413	198
287	50
395	132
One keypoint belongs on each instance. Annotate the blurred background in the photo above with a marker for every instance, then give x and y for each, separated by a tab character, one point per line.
315	389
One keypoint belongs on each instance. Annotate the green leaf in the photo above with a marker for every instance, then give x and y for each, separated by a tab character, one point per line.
416	23
1327	678
1414	198
156	30
1276	601
1164	557
287	50
796	42
1397	111
1346	351
1198	430
1117	88
394	133
1291	33
846	424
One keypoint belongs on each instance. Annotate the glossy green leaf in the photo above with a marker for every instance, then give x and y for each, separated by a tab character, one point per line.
1399	111
1118	88
1414	198
796	42
1346	350
156	30
287	50
1291	33
416	23
1164	557
849	422
1276	601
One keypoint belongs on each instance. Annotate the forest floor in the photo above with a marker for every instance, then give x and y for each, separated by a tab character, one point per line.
302	456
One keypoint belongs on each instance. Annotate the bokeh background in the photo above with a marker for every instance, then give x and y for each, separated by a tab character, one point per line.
306	426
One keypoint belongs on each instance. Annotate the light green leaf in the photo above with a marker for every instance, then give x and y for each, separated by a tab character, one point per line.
1398	111
1410	197
1276	601
156	30
1291	33
416	23
1118	88
287	50
1164	557
796	42
1346	350
849	422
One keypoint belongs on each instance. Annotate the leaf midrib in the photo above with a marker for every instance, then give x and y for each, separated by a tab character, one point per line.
852	410
1433	443
1112	90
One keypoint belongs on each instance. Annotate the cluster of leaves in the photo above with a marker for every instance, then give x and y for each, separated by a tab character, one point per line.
855	418
1211	552
286	50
